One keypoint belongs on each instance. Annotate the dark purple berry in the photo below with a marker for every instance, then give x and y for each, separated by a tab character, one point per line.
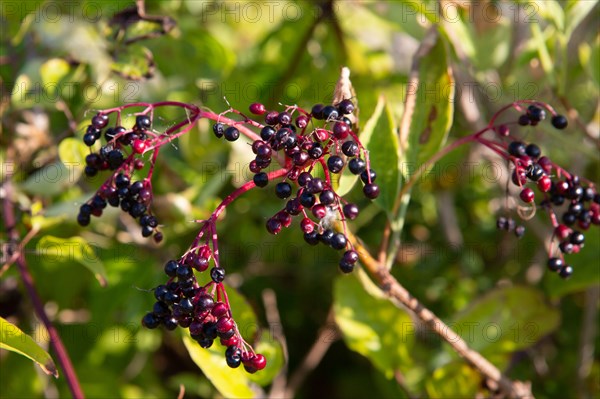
371	191
566	271
99	121
559	122
338	241
143	122
231	133
533	151
516	148
317	111
261	179
555	264
171	268
536	113
330	113
218	129
346	267
217	274
283	190
312	238
346	107
357	166
350	148
150	321
364	176
335	164
267	133
327	197
351	211
524	120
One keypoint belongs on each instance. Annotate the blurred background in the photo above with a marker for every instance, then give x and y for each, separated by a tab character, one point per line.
62	62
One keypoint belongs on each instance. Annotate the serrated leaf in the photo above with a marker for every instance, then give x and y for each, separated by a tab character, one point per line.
506	320
373	327
231	383
585	265
72	249
380	139
134	62
15	340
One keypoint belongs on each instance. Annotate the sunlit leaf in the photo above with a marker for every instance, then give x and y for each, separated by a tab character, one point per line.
380	138
454	379
231	383
15	340
373	326
135	63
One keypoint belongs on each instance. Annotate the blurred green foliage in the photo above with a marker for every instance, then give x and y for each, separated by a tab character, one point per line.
63	61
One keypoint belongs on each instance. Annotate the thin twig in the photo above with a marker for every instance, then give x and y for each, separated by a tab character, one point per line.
274	320
392	288
326	337
56	342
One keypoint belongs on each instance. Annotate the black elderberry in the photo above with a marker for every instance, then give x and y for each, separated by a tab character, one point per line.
217	274
293	207
205	302
357	166
350	256
534	172
285	118
307	199
99	121
186	305
86	209
569	218
350	148
171	297
210	330
346	267
89	139
338	241
312	238
316	151
559	122
317	111
233	356
273	225
150	321
121	181
170	323
83	220
350	211
536	113
98	202
516	148
283	190
160	309
304	178
271	118
143	122
327	197
218	129
346	107
261	179
160	291
533	151
524	120
315	186
137	210
147	231
326	236
371	191
330	113
171	268
231	133
267	133
566	271
335	164
555	264
364	176
115	159
576	238
184	272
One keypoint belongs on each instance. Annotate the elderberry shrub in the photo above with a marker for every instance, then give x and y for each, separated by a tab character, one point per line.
121	154
573	204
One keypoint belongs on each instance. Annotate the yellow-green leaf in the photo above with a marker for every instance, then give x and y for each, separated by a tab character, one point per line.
380	139
231	383
52	72
72	153
15	340
73	249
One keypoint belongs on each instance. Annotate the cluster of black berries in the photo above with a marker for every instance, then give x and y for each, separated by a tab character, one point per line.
332	145
111	155
118	191
509	224
182	302
582	202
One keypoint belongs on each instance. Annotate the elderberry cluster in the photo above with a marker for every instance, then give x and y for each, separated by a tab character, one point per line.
134	198
559	189
322	138
183	302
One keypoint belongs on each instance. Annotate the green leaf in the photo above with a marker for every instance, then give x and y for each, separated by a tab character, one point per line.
455	379
506	320
243	314
52	72
585	264
430	103
380	139
72	249
52	179
135	63
231	383
15	340
72	153
273	352
373	326
575	13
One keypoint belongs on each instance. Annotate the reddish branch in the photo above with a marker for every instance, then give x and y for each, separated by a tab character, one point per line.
13	236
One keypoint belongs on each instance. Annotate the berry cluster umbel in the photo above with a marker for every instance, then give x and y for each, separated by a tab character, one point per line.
305	142
537	177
